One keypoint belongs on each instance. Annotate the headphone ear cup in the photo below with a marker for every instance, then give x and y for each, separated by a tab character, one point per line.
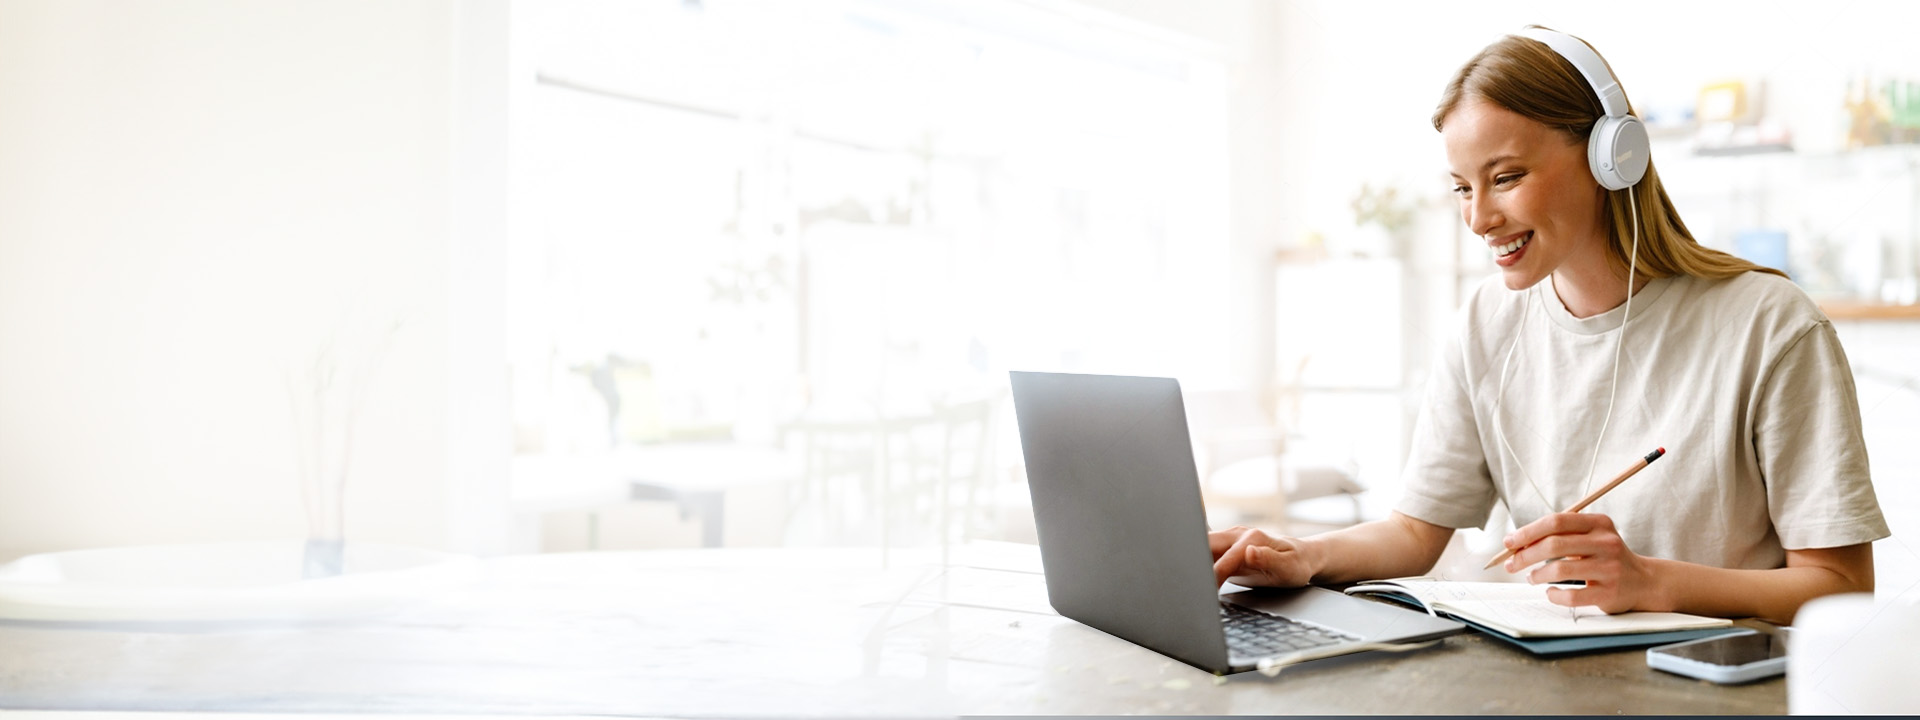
1618	151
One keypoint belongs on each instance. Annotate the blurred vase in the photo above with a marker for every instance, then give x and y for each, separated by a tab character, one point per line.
324	558
326	389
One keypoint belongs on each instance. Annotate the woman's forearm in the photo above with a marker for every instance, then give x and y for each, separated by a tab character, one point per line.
1398	546
1773	595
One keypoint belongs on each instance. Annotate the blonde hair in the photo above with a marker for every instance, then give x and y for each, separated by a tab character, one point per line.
1530	79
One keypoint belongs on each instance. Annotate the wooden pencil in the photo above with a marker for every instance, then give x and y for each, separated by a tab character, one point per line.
1595	495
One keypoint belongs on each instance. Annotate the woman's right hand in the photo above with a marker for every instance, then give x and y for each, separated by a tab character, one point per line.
1251	557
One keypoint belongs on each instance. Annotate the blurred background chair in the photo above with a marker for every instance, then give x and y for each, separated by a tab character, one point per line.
914	478
1252	469
936	465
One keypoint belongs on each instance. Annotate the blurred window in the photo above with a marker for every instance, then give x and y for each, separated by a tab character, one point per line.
734	215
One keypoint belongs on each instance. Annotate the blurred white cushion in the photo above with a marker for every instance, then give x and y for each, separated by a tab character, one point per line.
1262	475
1851	654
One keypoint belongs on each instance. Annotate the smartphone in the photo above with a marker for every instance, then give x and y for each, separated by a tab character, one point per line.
1731	658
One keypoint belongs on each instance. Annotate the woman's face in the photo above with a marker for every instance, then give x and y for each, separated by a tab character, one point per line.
1525	189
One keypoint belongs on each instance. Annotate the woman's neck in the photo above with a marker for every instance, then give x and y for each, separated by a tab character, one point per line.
1594	286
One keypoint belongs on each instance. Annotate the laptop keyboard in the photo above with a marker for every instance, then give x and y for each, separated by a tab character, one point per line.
1253	633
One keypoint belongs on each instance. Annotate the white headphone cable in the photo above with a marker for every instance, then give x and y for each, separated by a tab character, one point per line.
1271	666
1500	400
1500	395
1633	259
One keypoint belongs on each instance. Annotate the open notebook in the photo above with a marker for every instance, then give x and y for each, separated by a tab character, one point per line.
1521	610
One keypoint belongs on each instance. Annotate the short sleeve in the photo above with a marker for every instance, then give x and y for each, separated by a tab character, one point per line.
1446	481
1811	449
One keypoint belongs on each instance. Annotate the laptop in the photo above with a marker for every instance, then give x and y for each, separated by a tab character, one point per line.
1123	536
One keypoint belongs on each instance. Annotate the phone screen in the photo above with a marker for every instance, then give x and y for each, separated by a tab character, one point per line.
1733	650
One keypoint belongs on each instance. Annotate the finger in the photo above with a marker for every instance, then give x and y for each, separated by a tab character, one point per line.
1599	540
1575	534
1277	564
1525	536
1254	560
1548	548
1226	566
1230	562
1567	569
1555	524
1593	594
1220	540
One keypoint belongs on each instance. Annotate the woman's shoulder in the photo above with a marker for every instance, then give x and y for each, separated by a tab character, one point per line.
1492	299
1488	316
1770	300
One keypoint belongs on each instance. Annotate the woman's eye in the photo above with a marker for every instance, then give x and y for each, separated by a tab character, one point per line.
1460	190
1507	179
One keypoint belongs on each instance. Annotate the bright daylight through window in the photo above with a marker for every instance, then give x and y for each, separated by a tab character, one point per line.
807	243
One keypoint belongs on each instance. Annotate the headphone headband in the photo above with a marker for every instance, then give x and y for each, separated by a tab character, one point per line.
1612	99
1617	147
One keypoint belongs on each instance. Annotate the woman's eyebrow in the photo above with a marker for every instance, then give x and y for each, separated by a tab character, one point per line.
1488	165
1497	160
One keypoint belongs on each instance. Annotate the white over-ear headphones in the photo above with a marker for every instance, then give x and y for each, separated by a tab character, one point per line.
1617	149
1617	153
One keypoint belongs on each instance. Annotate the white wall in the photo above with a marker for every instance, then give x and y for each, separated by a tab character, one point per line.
192	193
1246	35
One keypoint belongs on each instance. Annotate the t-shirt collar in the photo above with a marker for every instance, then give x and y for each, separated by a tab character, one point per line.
1647	299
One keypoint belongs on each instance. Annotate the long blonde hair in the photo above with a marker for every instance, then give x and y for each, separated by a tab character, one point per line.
1530	79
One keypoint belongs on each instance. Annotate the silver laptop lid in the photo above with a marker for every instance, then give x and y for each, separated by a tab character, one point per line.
1116	500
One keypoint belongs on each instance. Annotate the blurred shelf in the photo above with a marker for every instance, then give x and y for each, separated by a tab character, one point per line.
1675	149
1754	149
1854	310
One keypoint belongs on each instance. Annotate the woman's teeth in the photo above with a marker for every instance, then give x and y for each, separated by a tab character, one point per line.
1509	248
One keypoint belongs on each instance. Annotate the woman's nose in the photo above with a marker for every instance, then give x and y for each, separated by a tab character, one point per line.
1481	216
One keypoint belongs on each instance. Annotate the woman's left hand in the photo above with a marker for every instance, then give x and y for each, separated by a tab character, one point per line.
1584	546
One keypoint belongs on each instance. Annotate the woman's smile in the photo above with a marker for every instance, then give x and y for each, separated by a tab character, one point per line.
1507	250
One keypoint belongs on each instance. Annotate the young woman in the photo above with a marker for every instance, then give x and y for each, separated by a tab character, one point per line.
1561	373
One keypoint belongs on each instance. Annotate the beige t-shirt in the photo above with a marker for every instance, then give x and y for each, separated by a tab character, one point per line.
1742	380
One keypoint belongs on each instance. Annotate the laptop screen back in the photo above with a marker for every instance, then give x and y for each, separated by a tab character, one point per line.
1116	501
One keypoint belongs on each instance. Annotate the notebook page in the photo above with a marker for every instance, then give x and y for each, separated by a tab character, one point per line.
1523	610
